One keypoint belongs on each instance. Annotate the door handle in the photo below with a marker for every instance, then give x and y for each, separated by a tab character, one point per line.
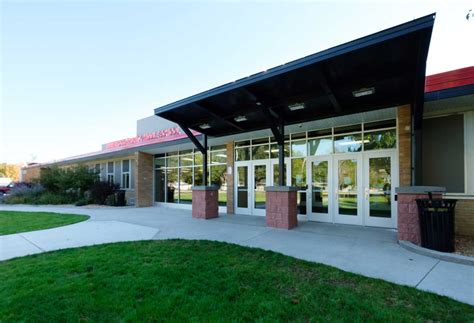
366	193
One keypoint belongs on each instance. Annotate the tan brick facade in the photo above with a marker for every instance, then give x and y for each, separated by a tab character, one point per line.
143	179
404	144
30	174
230	178
464	220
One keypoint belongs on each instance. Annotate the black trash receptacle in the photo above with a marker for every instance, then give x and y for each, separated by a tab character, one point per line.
437	223
120	198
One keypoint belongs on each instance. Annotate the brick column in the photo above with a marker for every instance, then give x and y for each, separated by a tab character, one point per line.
143	179
205	202
230	177
404	144
408	222
281	207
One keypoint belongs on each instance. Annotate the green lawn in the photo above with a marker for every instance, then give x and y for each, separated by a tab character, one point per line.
202	281
14	222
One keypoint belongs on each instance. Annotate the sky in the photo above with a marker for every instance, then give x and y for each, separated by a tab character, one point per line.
76	74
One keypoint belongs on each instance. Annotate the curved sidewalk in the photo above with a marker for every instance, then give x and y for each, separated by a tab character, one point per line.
370	252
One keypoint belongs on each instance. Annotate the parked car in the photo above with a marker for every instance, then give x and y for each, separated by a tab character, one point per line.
4	190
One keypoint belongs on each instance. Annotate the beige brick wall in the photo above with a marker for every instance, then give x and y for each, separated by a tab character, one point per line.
31	173
404	144
230	178
464	219
143	179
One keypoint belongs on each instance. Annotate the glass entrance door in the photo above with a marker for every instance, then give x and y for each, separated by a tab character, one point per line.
347	189
380	179
319	195
260	179
242	188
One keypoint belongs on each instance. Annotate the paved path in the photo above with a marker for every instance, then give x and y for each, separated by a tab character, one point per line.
371	252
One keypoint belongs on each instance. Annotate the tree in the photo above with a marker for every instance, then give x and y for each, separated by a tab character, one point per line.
11	171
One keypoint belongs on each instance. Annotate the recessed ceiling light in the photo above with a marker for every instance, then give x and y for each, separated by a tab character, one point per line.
258	103
296	106
363	92
205	126
240	118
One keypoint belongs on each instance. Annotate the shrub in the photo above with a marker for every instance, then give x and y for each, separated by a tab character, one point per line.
101	190
72	181
26	191
83	201
52	198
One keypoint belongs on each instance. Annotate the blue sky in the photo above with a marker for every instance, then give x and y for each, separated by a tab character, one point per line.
75	75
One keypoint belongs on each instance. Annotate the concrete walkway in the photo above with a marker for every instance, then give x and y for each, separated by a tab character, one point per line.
371	252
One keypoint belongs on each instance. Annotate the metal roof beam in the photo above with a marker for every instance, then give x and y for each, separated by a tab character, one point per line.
193	139
330	94
217	117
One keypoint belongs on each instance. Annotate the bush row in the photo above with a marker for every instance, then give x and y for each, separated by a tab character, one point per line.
75	185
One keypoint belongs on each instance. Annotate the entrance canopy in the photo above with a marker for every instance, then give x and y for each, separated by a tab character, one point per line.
381	70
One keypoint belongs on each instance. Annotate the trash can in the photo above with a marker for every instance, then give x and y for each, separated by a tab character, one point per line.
437	223
120	198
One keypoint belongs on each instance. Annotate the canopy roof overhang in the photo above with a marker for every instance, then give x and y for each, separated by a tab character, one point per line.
391	62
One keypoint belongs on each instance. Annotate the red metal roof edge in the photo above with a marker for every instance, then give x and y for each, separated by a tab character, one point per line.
450	79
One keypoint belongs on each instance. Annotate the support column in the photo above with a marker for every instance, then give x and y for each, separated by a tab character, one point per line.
408	219
281	207
404	144
143	179
205	202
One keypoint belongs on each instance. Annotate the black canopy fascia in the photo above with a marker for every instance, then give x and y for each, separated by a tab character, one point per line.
391	63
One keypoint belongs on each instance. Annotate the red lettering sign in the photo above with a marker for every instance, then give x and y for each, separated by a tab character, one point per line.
164	135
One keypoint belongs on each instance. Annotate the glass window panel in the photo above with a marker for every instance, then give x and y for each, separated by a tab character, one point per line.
260	141
242	186
219	157
242	143
298	148
380	124
301	135
220	147
160	162
346	129
348	143
260	181
172	161
380	139
347	187
186	160
276	173
197	158
110	167
172	185
185	185
380	187
198	176
242	153
298	172
274	150
125	166
319	186
260	152
320	146
219	178
320	133
286	138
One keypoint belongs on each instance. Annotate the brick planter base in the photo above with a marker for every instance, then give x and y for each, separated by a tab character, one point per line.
408	219
205	202
281	207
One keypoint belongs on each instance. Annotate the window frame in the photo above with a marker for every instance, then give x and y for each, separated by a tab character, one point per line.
122	173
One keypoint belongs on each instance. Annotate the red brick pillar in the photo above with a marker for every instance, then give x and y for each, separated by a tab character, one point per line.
205	202
408	219
281	207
